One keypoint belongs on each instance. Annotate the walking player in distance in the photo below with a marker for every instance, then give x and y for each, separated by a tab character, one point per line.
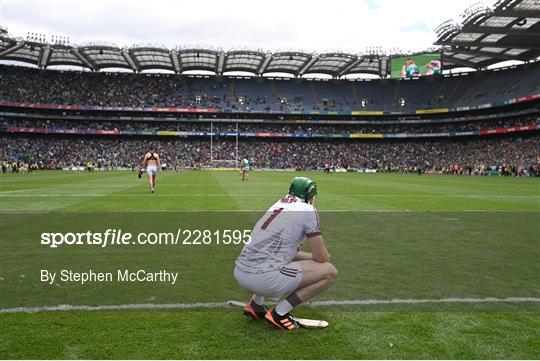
152	164
273	266
245	169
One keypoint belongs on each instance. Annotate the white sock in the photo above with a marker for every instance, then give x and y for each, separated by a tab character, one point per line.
258	299
283	307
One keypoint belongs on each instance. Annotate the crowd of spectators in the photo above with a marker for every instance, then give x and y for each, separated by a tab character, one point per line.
26	85
473	156
18	84
268	127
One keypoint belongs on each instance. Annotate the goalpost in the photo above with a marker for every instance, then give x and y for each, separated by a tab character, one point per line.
223	163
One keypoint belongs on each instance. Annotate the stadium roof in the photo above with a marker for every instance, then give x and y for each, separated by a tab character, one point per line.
96	56
510	30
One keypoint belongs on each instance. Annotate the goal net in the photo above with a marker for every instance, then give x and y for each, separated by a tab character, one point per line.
224	163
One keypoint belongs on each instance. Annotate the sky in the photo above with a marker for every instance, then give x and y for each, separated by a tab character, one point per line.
314	26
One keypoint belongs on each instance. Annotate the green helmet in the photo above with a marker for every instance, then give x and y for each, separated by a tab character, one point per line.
303	188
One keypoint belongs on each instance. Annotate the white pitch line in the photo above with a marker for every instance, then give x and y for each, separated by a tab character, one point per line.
138	195
142	306
211	305
426	300
264	210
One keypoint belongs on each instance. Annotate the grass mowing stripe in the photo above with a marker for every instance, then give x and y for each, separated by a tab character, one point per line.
199	305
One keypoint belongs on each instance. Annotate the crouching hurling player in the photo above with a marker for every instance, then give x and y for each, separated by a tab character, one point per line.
272	265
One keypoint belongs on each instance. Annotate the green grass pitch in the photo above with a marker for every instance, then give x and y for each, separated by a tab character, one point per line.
391	236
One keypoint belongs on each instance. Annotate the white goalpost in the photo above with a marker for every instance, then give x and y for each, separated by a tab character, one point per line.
223	163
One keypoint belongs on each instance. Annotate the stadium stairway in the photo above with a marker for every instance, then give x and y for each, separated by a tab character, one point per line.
454	90
317	100
190	91
354	93
275	95
438	99
395	96
232	90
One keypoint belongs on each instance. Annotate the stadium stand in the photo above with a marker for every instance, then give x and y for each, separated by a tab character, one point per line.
25	85
32	133
250	129
473	121
471	157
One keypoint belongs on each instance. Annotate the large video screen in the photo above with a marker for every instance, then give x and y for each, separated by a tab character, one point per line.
416	65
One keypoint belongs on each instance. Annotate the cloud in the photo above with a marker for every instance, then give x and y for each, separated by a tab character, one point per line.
373	4
315	25
419	26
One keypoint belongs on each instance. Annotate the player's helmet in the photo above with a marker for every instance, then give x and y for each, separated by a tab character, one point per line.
303	188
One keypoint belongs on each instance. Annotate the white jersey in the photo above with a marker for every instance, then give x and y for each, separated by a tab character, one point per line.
278	235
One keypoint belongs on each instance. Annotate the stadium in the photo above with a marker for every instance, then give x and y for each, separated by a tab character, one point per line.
428	194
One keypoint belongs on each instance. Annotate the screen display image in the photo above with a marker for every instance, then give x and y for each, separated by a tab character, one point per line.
416	65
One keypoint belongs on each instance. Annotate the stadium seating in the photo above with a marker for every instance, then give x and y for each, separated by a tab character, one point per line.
264	95
116	142
469	155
